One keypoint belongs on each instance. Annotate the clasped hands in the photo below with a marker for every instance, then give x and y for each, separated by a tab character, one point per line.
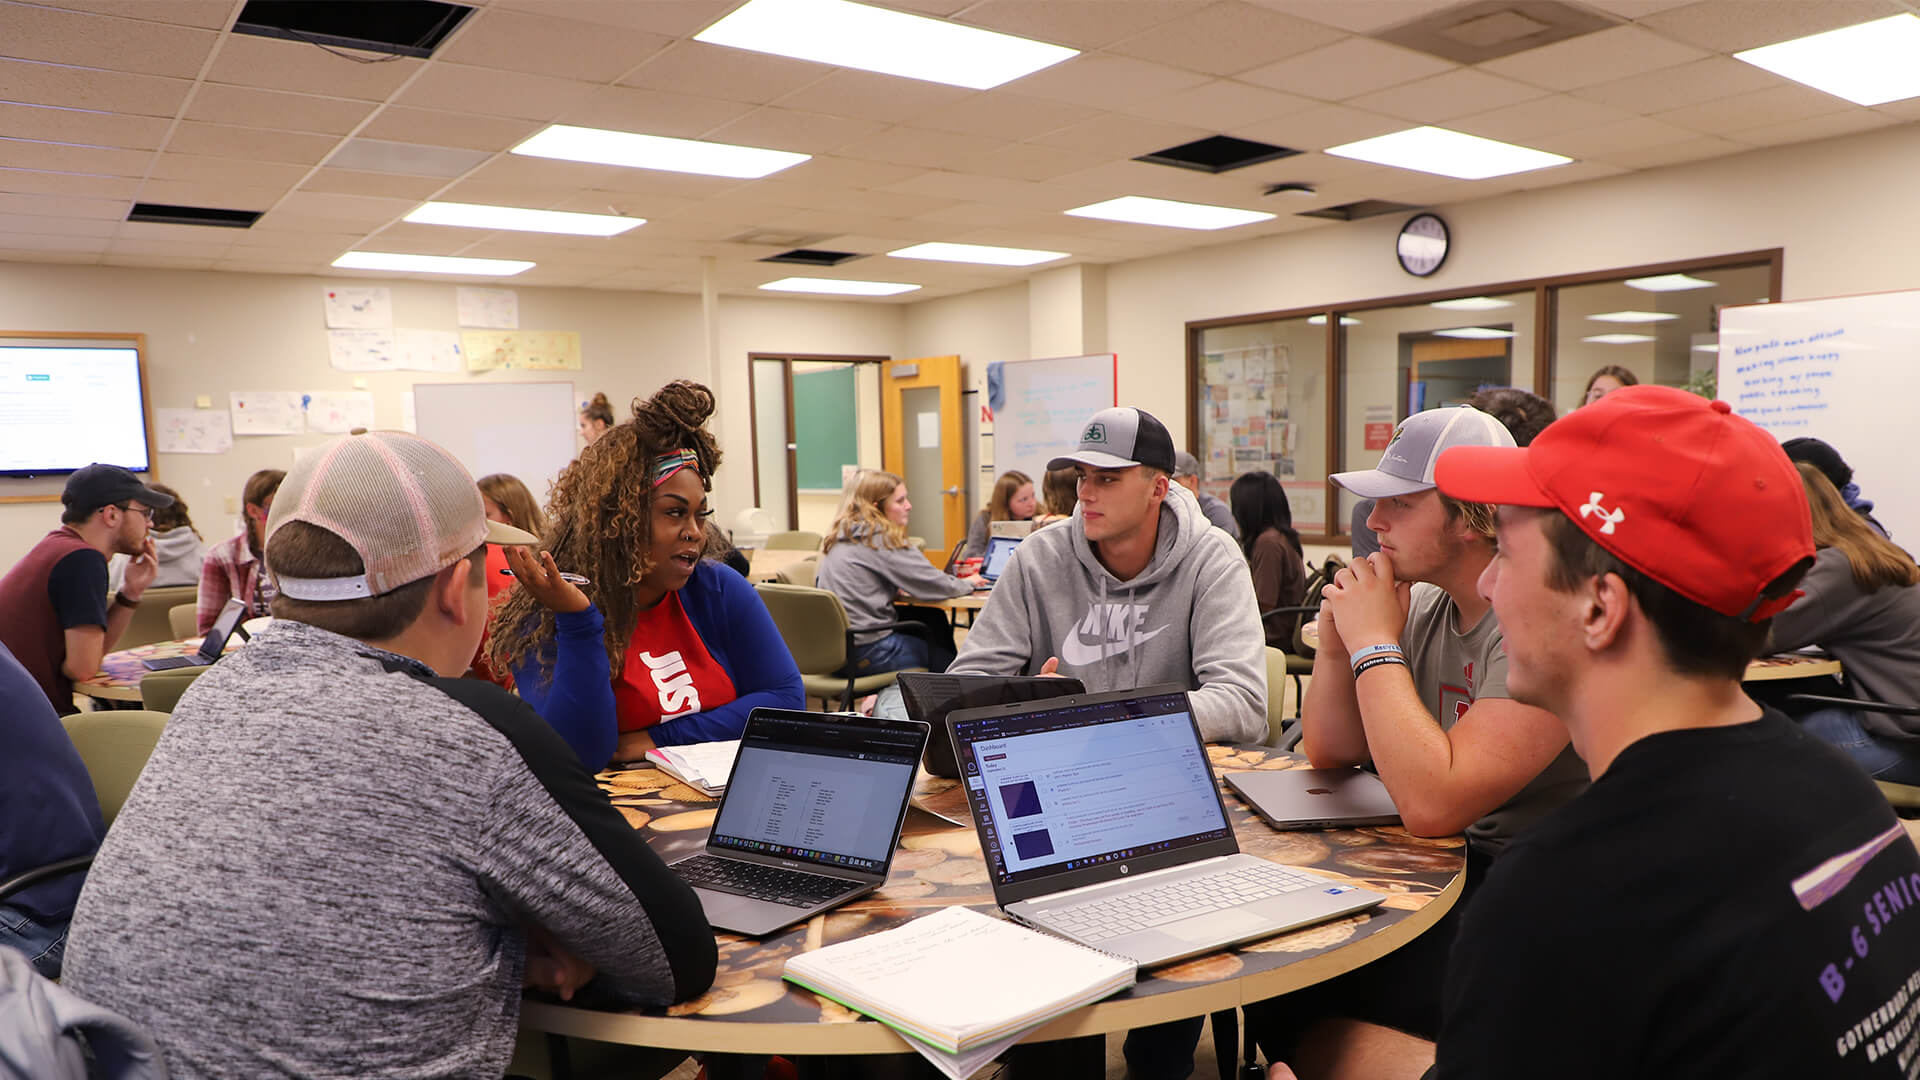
1364	605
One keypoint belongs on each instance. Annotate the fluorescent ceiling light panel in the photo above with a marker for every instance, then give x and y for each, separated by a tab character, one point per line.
602	147
838	286
977	253
1868	64
890	42
477	216
1633	316
1619	339
1471	303
1321	320
1447	153
1668	283
1141	210
430	264
1477	333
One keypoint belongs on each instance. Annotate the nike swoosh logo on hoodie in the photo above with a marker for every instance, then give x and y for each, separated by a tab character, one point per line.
1103	633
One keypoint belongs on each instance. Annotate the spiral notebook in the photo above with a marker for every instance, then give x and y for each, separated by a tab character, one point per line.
958	981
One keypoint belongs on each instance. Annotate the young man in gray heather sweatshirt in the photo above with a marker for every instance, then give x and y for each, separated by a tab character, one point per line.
344	860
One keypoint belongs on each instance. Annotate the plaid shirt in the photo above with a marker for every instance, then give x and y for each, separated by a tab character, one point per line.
231	570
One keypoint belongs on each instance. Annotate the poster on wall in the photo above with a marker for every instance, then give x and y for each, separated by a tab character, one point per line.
192	431
358	308
521	350
267	412
338	412
361	350
489	309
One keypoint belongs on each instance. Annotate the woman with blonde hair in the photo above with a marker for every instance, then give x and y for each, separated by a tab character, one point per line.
867	561
1862	604
643	642
1012	500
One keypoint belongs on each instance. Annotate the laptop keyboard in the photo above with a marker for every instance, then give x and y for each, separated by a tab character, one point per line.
794	888
1109	917
171	662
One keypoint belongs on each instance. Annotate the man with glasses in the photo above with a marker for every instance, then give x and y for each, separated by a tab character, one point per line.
55	616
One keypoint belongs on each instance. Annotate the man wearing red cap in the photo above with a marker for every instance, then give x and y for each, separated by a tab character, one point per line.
1730	897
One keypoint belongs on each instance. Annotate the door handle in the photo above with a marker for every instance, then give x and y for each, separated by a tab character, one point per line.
950	491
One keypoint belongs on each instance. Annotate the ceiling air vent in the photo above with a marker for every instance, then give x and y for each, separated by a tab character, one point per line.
814	257
1354	211
395	27
162	214
1217	154
1490	29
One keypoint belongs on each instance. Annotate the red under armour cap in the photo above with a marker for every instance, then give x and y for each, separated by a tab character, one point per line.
1674	485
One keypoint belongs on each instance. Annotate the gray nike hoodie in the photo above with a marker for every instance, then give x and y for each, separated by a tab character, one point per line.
1190	617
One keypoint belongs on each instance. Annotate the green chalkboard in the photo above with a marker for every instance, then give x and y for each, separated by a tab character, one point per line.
825	429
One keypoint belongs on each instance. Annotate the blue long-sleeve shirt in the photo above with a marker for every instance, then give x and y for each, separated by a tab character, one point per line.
733	625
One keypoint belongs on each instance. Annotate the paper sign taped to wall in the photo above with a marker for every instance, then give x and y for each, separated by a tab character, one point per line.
428	350
929	423
361	350
267	412
521	350
192	431
358	308
490	309
338	412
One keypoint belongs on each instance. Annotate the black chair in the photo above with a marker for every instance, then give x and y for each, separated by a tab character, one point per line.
1904	797
1300	657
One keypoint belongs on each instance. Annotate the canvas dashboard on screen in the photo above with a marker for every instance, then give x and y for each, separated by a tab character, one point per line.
62	407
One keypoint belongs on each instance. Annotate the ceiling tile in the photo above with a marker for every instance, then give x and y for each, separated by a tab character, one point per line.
232	265
1345	69
653	112
250	144
1541	116
1695	149
434	127
866	95
1031	161
41	247
57	206
176	166
986	190
1220	105
1078	24
245	106
273	64
1004	115
51	183
1116	135
829	171
422	239
77	126
693	67
490	92
1106	82
90	88
1602	56
539	44
158	262
1638	133
190	244
35	224
353	182
258	241
624	204
1636	9
71	37
1733	25
345	208
1775	106
928	149
53	157
1227	38
278	220
674	18
1443	97
207	14
224	194
1817	127
1317	129
1358	17
1710	79
775	128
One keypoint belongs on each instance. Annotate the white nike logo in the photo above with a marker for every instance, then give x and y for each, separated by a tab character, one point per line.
1107	630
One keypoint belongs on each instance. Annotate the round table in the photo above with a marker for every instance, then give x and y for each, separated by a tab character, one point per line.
750	1010
118	679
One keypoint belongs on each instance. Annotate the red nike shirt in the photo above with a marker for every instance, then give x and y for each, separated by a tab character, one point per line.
668	671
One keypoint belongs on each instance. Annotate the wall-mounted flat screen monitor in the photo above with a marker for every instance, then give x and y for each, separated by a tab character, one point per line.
66	406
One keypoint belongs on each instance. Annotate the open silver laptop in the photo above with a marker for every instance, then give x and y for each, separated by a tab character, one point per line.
810	817
1316	798
1101	822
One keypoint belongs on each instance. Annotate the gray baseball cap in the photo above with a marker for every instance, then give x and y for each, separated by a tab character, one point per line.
1185	464
1119	437
1406	466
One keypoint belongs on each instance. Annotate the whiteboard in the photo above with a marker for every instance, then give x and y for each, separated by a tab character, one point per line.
1845	370
1041	406
524	428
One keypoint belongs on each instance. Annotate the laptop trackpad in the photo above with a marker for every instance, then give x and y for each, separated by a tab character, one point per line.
1216	926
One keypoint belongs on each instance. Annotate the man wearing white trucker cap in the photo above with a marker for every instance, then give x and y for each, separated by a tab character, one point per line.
343	859
1137	589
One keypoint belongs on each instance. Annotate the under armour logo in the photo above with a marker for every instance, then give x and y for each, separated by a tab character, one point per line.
1608	518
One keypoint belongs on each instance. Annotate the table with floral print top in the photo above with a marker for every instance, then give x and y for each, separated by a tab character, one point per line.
750	1010
120	672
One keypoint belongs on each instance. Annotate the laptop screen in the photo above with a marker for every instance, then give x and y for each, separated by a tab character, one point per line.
215	641
827	790
1067	788
999	551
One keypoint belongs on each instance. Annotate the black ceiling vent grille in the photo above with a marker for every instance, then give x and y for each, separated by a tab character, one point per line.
814	257
162	214
1217	154
1354	211
395	27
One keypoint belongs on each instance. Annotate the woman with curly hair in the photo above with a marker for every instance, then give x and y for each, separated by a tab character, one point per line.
658	647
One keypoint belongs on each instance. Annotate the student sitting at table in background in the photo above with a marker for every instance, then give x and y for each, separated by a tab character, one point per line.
867	562
1186	473
1861	603
659	646
1059	494
1273	552
177	546
596	417
424	845
508	502
233	569
1606	380
1410	678
55	616
1821	455
1012	500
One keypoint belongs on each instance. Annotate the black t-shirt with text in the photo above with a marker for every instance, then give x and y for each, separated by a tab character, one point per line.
1723	902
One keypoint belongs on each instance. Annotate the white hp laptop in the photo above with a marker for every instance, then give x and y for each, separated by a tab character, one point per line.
810	817
1101	822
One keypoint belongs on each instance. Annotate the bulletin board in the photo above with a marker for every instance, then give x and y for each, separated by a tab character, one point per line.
1246	417
826	431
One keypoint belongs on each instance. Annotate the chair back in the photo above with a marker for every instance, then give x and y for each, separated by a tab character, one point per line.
151	620
181	619
1319	578
794	540
813	623
160	690
800	573
1276	693
115	746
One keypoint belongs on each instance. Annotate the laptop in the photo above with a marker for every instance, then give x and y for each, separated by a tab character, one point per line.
1316	798
930	696
211	646
999	553
809	820
1101	822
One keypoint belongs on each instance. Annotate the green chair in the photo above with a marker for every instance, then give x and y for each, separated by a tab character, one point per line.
814	624
800	573
181	620
160	690
150	619
795	540
115	746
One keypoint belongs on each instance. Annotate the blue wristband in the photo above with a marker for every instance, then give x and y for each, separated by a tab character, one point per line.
1389	648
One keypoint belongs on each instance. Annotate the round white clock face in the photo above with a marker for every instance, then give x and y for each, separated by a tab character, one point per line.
1422	245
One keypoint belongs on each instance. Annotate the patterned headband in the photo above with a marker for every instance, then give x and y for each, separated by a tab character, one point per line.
666	465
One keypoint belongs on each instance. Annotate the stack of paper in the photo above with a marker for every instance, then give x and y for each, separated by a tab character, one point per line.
960	985
705	766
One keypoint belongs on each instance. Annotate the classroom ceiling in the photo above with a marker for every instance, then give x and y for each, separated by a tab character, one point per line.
108	102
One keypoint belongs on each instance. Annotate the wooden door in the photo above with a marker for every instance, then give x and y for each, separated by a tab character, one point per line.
921	442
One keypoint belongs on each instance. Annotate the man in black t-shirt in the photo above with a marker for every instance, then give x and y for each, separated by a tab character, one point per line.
1730	897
